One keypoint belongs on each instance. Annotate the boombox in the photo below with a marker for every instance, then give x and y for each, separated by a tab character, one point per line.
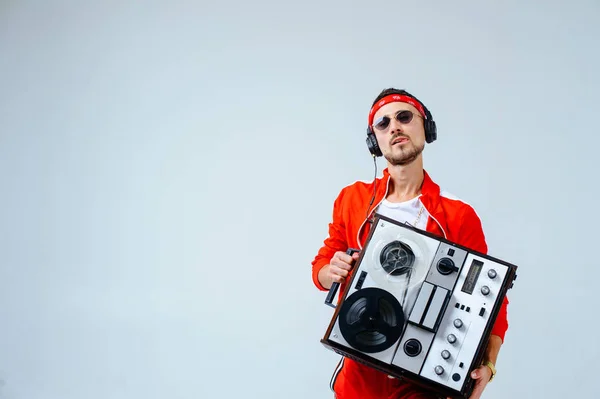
418	307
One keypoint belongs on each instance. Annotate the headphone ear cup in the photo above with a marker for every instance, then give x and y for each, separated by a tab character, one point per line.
372	143
430	131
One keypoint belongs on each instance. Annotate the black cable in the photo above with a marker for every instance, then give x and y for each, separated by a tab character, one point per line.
374	188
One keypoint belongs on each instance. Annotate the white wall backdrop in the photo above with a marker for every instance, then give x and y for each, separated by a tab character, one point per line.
168	170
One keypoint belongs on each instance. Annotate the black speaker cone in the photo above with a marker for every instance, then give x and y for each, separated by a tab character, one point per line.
371	320
397	258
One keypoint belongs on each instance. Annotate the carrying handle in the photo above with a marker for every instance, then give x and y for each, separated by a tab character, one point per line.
335	286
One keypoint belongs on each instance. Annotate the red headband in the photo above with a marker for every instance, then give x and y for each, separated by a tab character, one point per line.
393	98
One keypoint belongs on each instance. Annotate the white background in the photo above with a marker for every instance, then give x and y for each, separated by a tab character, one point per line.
168	171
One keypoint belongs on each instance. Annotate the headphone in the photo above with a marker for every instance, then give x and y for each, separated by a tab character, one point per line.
428	123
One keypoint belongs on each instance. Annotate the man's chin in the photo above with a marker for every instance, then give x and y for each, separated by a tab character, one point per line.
403	160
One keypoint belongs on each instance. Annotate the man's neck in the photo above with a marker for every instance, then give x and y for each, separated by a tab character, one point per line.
405	181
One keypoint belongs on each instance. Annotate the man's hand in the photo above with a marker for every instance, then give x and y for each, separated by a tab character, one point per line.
482	376
337	270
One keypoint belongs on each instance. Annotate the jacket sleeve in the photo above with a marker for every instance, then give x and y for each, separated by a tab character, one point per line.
335	241
472	236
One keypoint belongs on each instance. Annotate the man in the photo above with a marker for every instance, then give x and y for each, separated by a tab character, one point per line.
398	128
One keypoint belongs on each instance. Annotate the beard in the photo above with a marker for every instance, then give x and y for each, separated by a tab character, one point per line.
403	155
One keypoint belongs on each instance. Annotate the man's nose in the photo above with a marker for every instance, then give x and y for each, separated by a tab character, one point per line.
395	126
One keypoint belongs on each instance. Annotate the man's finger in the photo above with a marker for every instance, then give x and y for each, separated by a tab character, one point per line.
345	257
341	265
342	255
482	377
479	372
339	271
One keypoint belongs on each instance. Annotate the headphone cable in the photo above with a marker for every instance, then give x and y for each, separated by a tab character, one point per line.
374	188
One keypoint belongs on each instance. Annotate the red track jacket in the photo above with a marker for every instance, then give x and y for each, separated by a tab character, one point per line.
449	217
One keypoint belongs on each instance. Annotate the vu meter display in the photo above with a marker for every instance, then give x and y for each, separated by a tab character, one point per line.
472	277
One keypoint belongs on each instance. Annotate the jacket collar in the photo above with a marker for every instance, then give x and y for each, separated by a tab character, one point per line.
430	196
428	189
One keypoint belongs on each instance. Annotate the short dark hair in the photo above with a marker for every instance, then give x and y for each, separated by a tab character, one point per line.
391	90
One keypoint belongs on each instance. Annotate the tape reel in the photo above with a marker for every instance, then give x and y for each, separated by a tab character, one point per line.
419	264
371	320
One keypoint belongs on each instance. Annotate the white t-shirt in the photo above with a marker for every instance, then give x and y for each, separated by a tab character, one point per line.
405	212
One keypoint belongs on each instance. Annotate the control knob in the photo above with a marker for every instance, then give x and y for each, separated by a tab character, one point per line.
445	354
492	274
451	338
446	266
458	323
485	290
412	347
439	370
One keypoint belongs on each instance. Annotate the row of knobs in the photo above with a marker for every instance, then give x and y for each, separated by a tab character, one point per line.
439	370
485	290
451	337
458	323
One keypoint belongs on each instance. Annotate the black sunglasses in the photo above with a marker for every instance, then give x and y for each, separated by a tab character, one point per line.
402	116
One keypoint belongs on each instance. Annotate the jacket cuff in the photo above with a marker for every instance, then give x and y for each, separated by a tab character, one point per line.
317	266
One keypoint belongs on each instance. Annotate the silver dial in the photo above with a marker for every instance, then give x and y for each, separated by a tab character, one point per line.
445	354
451	338
439	370
458	323
492	274
485	290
